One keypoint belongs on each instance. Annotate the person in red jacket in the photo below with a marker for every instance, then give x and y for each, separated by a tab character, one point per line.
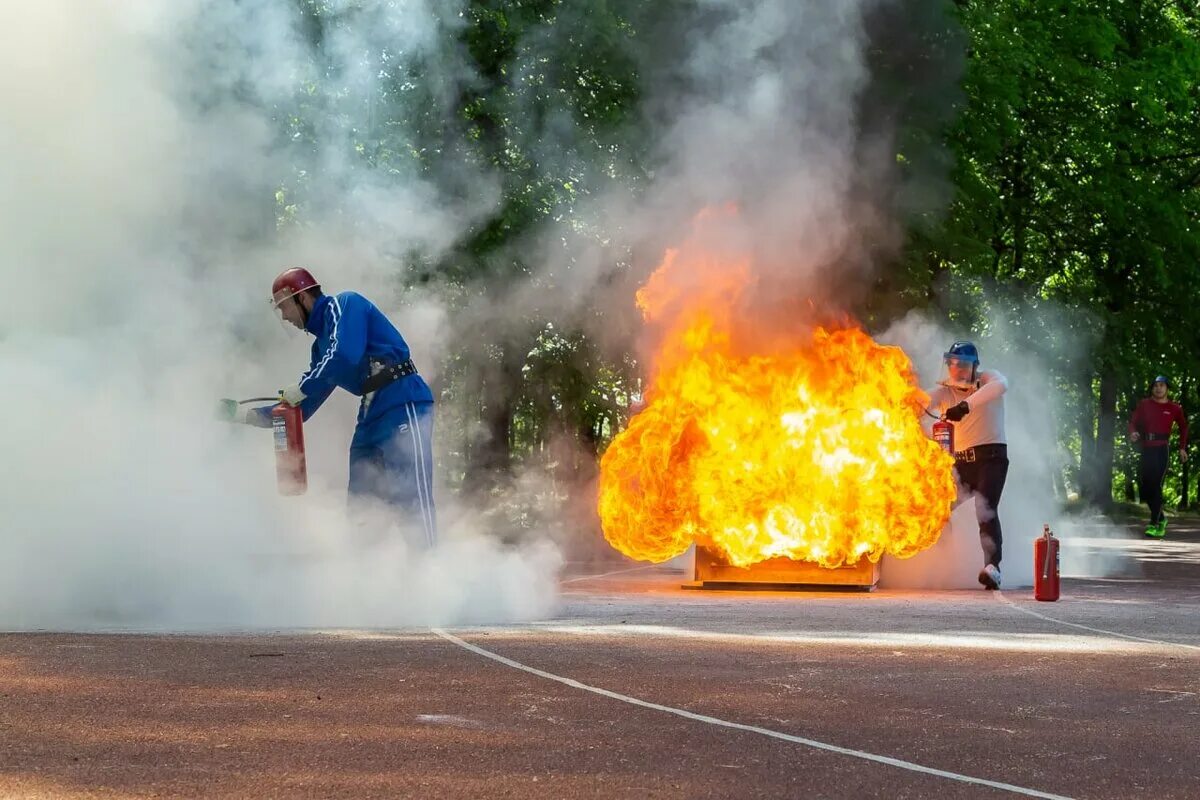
1150	429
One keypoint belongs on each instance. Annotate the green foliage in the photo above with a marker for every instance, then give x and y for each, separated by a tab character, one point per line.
1077	175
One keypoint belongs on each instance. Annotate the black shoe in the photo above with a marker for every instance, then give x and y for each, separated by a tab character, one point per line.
989	576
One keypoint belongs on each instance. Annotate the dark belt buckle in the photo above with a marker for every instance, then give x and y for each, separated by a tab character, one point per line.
966	455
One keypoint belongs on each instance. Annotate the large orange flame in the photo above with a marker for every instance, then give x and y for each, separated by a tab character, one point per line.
815	453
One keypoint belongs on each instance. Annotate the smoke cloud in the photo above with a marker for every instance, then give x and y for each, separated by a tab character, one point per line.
786	111
142	157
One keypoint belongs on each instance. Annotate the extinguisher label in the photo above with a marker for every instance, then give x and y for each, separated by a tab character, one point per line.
279	427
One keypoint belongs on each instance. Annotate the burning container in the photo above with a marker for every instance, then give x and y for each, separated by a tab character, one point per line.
714	572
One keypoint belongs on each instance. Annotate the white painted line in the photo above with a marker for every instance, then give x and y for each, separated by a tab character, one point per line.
1000	596
1050	642
787	737
608	574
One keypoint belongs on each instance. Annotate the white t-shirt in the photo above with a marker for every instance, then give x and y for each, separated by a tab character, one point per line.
985	423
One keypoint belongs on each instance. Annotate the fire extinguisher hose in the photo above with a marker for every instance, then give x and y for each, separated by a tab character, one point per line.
258	400
1046	560
927	411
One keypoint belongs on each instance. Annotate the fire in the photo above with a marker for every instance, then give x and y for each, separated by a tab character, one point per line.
814	452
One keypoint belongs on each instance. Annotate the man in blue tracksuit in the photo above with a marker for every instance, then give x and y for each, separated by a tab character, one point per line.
358	349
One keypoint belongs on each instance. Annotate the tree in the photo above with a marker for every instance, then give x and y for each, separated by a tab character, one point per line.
1078	160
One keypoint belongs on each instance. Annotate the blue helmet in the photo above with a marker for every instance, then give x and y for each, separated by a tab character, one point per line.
1161	379
963	351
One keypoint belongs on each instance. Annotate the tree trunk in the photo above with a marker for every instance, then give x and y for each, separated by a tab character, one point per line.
1185	472
1105	439
497	385
1087	437
1126	461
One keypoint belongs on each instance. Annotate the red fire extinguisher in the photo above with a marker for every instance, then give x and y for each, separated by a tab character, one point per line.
1045	566
943	434
291	470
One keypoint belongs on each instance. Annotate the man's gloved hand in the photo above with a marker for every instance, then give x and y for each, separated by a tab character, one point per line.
292	395
956	413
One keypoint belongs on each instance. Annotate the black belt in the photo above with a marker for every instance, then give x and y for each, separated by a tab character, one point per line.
982	452
1157	437
388	375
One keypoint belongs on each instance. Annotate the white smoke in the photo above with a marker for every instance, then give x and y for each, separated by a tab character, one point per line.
137	242
753	104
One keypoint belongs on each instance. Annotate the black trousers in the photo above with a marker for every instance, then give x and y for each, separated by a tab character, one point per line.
985	479
1150	479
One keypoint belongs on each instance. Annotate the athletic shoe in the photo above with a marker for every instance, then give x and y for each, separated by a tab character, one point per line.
989	576
1156	531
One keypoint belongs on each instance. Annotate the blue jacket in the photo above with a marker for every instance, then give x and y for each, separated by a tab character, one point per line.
349	331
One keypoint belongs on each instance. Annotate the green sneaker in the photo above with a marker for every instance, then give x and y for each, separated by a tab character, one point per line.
1162	527
1156	531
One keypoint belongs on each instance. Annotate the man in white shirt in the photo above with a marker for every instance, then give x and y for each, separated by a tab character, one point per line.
973	399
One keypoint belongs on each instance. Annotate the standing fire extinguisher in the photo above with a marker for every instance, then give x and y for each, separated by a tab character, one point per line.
1045	566
291	470
943	434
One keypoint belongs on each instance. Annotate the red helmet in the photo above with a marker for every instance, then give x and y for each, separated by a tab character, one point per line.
292	281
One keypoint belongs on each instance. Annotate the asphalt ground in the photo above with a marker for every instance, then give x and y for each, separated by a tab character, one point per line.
640	689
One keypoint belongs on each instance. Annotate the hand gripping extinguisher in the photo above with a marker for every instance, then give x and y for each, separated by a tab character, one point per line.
943	434
1045	566
291	470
